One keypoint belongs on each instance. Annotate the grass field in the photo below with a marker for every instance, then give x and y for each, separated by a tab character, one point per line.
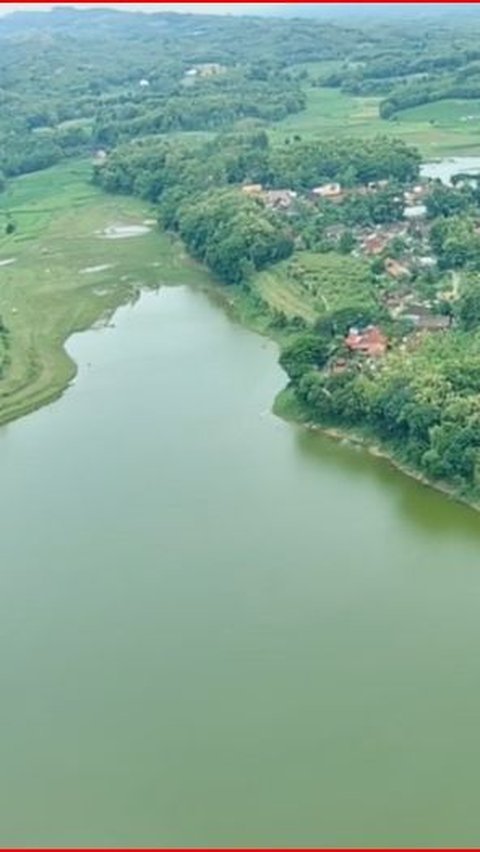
49	284
455	128
450	114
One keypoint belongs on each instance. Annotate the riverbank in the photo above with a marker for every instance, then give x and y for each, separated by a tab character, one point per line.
248	310
288	407
61	273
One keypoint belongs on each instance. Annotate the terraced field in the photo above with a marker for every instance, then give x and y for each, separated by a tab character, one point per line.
308	284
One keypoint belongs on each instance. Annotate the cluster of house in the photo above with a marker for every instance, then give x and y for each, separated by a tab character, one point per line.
371	343
274	199
373	242
282	199
329	191
335	192
421	314
415	236
414	202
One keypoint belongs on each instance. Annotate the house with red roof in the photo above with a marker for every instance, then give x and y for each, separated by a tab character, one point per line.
369	341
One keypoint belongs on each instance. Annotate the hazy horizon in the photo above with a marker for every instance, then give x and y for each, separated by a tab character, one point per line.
199	8
331	10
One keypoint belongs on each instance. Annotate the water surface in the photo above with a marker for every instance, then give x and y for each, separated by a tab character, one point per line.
221	629
447	168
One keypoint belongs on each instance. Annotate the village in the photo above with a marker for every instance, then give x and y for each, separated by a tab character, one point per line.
413	291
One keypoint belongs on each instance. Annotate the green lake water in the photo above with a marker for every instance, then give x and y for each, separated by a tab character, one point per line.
219	628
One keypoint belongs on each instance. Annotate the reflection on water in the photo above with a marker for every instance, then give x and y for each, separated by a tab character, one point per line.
420	505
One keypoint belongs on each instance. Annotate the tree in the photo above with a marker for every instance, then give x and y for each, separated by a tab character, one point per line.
305	351
346	243
444	201
468	306
456	242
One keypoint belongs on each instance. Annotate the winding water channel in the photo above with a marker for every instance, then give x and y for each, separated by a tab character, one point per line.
218	628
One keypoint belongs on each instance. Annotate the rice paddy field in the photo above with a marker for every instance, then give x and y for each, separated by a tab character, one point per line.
439	129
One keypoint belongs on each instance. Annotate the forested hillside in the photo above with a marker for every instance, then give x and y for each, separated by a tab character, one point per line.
72	81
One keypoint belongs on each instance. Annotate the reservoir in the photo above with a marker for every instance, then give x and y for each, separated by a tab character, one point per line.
219	628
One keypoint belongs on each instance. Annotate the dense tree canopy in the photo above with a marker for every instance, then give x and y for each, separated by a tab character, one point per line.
233	234
456	242
427	406
305	164
74	81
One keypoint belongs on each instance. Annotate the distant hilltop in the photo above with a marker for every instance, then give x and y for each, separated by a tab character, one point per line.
33	14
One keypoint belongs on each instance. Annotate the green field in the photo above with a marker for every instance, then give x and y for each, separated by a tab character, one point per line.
329	112
51	288
451	114
308	285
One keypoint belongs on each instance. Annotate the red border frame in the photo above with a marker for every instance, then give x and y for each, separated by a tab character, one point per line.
107	3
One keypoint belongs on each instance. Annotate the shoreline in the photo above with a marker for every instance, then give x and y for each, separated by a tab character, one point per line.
377	451
36	394
51	393
374	449
233	308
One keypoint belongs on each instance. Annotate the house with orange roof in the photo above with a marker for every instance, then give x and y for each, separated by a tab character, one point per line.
369	341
